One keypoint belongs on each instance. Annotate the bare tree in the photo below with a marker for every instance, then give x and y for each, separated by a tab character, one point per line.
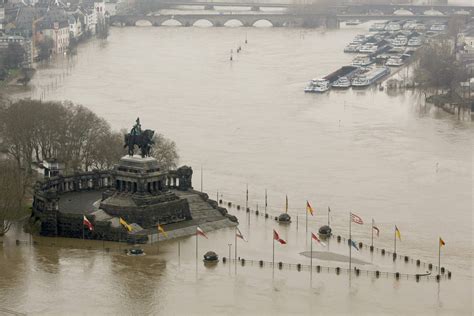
11	195
35	130
437	68
165	152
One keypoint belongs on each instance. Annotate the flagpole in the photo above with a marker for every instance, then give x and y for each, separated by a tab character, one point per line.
157	237
395	240
273	258
83	226
306	219
350	243
265	203
329	210
197	238
201	178
235	248
439	256
372	230
247	198
297	219
311	260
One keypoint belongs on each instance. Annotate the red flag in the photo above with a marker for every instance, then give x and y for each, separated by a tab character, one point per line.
199	231
356	219
277	238
86	222
317	239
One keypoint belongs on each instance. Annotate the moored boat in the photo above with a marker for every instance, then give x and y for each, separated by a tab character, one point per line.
414	42
353	22
362	61
371	77
342	83
317	85
394	61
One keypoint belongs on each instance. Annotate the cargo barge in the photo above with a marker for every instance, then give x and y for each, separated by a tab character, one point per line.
325	83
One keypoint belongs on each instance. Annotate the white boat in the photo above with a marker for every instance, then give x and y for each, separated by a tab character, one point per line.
409	25
438	27
400	40
342	83
396	50
377	27
359	39
393	27
394	61
420	27
366	79
317	85
353	22
414	42
352	48
368	48
362	61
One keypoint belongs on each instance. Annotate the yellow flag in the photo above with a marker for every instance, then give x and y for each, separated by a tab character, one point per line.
397	232
441	242
160	229
125	224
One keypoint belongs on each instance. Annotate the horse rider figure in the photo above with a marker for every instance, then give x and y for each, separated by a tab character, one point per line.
136	129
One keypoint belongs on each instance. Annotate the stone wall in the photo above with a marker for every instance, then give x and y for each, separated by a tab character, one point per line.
148	216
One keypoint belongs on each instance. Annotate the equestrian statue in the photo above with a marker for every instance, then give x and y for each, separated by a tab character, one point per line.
142	139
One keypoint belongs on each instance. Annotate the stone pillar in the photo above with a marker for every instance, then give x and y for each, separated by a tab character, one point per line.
49	216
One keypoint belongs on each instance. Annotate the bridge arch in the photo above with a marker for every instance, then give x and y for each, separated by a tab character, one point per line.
143	22
402	12
233	23
262	23
171	22
202	23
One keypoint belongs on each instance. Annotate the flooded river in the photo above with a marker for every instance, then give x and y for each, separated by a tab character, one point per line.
382	155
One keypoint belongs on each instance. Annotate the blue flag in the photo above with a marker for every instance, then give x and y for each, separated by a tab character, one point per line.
354	245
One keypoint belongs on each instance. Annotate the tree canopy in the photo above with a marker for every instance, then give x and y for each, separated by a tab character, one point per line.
32	130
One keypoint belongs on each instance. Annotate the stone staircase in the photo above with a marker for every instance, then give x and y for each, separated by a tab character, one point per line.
201	211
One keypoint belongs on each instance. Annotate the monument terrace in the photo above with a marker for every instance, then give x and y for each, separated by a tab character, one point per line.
126	203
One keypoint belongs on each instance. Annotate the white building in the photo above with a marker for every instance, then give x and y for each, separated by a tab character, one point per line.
59	32
75	24
2	16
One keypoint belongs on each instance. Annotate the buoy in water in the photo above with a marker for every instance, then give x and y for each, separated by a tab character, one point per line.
325	231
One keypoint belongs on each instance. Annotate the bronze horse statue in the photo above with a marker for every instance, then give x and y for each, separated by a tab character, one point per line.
143	141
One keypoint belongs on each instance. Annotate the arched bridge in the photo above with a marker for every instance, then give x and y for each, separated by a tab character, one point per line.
354	9
222	19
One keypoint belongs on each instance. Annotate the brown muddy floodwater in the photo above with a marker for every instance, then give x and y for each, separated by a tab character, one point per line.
386	156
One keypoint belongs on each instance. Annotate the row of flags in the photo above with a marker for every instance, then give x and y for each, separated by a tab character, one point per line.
354	218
